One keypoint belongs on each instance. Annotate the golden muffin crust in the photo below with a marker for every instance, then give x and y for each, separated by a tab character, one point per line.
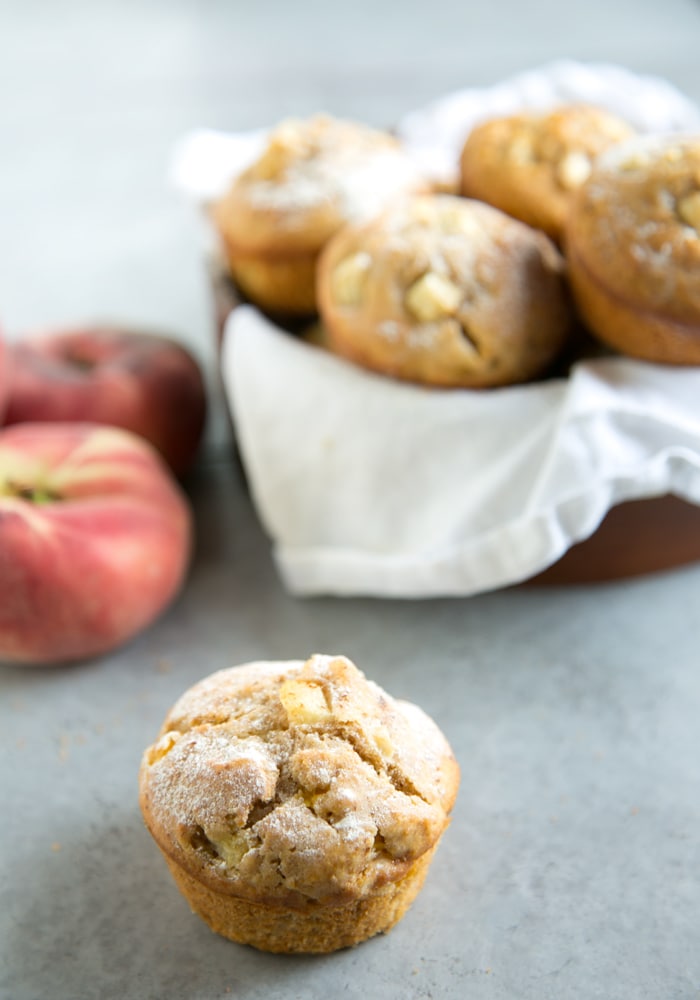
633	243
445	291
529	164
313	176
292	788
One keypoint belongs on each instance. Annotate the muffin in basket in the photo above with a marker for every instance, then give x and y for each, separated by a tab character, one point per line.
529	164
313	176
445	291
297	804
633	247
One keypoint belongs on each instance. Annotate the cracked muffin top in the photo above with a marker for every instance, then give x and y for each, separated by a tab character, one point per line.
296	783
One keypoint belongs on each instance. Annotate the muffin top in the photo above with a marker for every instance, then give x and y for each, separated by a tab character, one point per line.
445	290
314	175
296	783
529	164
635	225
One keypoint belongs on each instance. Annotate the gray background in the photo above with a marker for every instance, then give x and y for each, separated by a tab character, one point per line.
571	867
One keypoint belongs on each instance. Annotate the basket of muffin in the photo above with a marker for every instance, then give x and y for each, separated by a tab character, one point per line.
562	233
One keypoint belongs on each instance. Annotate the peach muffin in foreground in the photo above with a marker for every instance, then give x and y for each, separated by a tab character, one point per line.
298	805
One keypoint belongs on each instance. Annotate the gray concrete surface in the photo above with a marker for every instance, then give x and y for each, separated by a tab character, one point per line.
572	865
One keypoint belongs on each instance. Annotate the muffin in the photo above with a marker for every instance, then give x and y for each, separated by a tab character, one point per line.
297	804
529	164
445	291
313	176
633	246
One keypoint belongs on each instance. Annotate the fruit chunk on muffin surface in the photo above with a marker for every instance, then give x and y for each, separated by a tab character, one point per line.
297	804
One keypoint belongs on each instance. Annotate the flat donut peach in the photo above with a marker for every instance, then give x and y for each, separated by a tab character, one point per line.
147	384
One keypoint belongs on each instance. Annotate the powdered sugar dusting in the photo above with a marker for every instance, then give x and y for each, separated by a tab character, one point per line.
630	218
209	776
358	188
423	335
317	809
352	168
390	329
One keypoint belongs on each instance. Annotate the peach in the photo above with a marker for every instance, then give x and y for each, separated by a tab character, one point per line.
95	540
141	382
4	376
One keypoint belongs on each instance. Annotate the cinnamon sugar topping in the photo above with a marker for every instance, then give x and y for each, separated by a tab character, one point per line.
301	779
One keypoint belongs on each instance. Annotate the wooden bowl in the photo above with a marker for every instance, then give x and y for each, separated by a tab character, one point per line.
634	538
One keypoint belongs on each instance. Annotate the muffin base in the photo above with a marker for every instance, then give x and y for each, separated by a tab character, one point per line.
321	929
277	284
617	322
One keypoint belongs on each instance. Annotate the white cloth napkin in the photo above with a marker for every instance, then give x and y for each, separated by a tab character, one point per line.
368	486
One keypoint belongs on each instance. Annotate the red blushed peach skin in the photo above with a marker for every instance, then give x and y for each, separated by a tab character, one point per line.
4	377
95	540
138	381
